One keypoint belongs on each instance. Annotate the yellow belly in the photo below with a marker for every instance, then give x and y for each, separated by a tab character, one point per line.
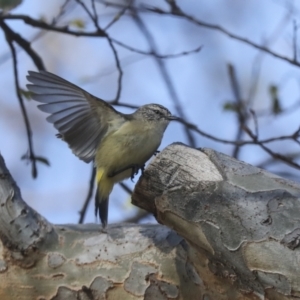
132	144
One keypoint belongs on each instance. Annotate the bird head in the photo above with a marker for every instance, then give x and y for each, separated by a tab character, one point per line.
155	113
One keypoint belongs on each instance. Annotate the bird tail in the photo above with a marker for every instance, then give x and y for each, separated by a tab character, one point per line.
104	187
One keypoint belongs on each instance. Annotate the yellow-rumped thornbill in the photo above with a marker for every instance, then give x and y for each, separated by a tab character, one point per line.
118	144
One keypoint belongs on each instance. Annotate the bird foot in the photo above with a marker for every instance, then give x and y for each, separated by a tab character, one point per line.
134	170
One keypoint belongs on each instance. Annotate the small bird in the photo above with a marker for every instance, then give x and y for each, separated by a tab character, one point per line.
119	144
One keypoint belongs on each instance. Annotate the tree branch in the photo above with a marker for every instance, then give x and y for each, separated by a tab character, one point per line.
43	25
165	74
232	212
31	156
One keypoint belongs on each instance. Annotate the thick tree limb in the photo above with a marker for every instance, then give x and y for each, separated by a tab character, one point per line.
245	220
22	230
41	261
241	226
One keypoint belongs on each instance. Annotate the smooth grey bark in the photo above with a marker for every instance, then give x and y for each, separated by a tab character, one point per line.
245	220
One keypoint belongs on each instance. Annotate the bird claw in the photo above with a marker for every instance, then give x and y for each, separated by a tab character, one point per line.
135	170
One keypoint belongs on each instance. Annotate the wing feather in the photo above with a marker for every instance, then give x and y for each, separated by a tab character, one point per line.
65	115
82	119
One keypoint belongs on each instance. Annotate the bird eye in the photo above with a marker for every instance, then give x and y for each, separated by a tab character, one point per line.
157	111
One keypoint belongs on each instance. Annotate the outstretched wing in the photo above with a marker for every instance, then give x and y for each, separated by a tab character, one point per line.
81	119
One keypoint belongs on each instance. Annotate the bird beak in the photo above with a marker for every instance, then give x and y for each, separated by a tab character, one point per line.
172	118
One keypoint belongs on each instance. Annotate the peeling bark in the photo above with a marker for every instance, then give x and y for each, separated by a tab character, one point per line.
238	238
39	260
244	220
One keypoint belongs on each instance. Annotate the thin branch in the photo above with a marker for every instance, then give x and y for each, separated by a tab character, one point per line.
181	14
61	12
10	39
23	44
276	155
93	15
257	62
88	198
295	43
43	25
236	142
234	84
196	50
271	160
255	77
95	12
40	34
240	109
125	188
255	122
164	73
118	65
119	15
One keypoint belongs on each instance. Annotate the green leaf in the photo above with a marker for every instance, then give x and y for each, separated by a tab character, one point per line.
276	105
230	106
78	23
27	94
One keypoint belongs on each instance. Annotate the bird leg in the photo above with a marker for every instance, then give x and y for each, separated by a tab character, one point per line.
135	169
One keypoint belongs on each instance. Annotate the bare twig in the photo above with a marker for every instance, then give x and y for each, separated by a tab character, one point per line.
190	18
93	15
235	142
119	15
125	188
276	155
295	44
118	65
62	11
255	122
257	62
165	74
24	44
179	13
10	37
271	160
88	198
40	34
240	109
62	29
150	53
